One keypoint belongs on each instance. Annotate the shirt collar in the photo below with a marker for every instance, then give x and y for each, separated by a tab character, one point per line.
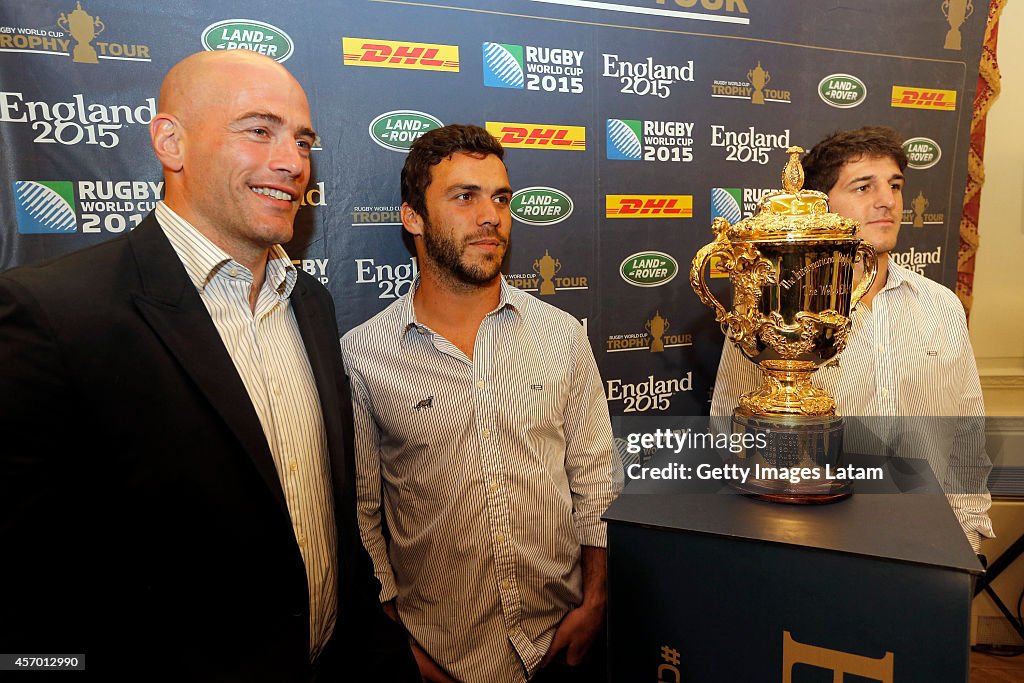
897	276
509	297
203	259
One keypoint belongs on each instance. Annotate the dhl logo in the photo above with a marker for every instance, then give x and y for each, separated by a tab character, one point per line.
923	98
648	206
537	136
391	54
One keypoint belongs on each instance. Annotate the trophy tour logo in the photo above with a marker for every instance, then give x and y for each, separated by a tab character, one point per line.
539	135
368	215
754	89
922	153
397	130
909	97
74	121
917	215
392	279
540	205
102	206
635	140
842	91
655	338
543	69
649	268
248	34
748	146
956	13
652	393
648	206
730	6
917	260
547	277
74	34
392	54
645	77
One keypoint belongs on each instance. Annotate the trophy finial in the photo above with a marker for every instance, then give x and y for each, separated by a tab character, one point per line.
793	173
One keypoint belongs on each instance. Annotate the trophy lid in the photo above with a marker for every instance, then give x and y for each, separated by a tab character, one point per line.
793	214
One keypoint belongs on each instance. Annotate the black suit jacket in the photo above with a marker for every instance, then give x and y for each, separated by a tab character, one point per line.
142	521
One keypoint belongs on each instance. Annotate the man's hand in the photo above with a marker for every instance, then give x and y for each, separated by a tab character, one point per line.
575	634
579	626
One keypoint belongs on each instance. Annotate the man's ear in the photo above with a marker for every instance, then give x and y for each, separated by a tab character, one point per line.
411	221
165	132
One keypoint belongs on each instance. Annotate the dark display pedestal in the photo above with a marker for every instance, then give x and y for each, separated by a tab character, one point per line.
709	585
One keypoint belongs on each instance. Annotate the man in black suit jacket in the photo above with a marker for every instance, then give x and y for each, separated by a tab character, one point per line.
176	474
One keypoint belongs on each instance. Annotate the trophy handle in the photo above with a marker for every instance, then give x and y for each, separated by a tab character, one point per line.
870	261
698	283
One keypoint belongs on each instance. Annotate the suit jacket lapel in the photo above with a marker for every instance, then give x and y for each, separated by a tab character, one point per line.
323	348
172	307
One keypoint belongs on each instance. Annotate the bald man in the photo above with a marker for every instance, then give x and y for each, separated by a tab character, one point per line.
176	479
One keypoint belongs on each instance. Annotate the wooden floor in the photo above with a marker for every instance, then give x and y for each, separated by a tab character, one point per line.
987	668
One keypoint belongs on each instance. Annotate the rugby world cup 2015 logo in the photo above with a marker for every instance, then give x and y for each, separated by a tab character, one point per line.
624	139
503	65
45	207
726	203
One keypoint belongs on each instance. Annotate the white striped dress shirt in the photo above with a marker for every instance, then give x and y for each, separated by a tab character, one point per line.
267	350
909	355
491	472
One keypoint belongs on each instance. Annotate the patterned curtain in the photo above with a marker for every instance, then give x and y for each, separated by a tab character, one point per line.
987	92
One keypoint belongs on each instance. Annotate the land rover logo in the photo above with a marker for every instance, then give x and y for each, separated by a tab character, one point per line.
648	269
541	205
248	34
922	152
842	90
397	130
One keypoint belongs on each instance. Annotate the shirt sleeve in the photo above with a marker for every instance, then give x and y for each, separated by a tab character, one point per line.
966	482
368	482
589	451
736	375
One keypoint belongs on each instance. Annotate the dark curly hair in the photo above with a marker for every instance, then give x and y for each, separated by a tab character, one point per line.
823	163
433	146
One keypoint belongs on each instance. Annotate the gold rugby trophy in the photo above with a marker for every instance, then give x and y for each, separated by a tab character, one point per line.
792	267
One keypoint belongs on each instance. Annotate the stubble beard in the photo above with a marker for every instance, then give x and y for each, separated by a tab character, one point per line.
449	258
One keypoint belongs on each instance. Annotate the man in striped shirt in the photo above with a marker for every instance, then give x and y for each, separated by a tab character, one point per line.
908	365
483	442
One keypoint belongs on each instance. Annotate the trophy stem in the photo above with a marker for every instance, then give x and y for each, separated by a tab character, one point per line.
787	390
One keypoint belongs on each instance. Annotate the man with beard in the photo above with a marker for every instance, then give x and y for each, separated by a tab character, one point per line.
908	353
483	442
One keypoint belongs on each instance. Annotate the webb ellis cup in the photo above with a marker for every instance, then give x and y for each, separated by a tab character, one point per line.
791	266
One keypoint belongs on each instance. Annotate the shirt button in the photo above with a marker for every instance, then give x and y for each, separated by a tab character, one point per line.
487	433
494	486
480	383
885	393
293	466
499	538
233	272
881	349
505	584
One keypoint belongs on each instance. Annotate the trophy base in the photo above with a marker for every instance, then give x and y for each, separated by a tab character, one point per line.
790	459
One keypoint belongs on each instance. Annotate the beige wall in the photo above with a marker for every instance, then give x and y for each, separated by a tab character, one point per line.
997	320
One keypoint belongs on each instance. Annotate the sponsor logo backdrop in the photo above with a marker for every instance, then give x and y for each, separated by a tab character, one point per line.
629	126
